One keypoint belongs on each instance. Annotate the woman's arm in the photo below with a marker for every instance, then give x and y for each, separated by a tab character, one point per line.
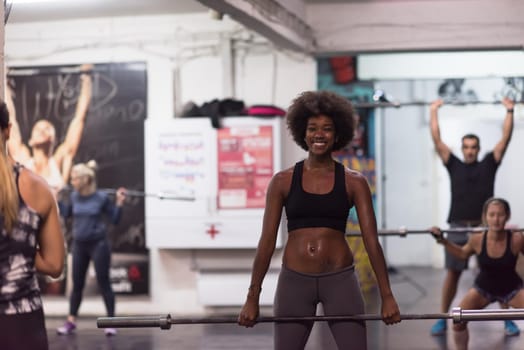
15	146
114	211
66	151
266	247
50	255
520	240
461	252
65	203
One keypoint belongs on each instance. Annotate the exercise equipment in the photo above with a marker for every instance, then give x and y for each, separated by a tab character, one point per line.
159	195
403	232
457	314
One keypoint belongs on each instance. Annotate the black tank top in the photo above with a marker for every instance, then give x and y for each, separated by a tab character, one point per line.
305	209
18	281
497	275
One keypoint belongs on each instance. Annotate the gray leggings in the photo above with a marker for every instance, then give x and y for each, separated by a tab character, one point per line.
298	294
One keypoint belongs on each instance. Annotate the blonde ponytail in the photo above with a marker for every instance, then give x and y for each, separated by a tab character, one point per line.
8	191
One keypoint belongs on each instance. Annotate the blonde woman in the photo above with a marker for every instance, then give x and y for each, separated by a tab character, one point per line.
30	240
88	207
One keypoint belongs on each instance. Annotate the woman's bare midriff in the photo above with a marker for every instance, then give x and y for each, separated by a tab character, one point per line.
317	250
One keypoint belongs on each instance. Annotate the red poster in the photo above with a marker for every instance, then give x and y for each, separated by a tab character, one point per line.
245	166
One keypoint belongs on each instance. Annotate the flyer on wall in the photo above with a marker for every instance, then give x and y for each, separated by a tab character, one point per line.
245	166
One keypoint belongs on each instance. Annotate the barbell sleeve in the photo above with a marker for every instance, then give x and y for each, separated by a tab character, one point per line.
161	321
459	315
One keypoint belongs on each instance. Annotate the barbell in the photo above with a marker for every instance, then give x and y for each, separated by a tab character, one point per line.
382	100
136	193
404	231
395	104
43	71
457	314
159	195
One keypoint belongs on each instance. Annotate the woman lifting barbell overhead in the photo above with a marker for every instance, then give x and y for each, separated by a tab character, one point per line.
317	194
497	250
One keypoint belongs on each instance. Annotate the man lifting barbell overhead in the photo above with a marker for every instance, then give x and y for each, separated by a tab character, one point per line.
497	250
472	183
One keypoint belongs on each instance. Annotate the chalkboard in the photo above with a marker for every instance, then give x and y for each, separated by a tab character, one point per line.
113	132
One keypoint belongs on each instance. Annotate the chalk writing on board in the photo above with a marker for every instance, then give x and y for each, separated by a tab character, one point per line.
181	160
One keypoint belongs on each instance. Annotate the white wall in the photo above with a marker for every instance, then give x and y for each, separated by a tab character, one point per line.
441	65
403	164
180	51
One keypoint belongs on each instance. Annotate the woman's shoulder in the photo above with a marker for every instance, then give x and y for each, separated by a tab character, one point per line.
286	172
517	238
29	180
99	195
476	238
283	175
353	175
281	180
34	190
96	196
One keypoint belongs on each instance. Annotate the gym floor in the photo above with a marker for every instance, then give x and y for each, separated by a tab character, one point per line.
417	291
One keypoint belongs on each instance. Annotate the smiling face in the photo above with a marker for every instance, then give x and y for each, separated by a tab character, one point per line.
320	134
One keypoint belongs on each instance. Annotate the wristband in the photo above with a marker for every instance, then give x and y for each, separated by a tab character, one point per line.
510	110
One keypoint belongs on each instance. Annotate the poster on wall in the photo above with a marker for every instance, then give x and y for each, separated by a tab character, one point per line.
245	166
72	114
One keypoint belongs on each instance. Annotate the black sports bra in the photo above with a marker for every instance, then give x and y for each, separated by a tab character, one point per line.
305	209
